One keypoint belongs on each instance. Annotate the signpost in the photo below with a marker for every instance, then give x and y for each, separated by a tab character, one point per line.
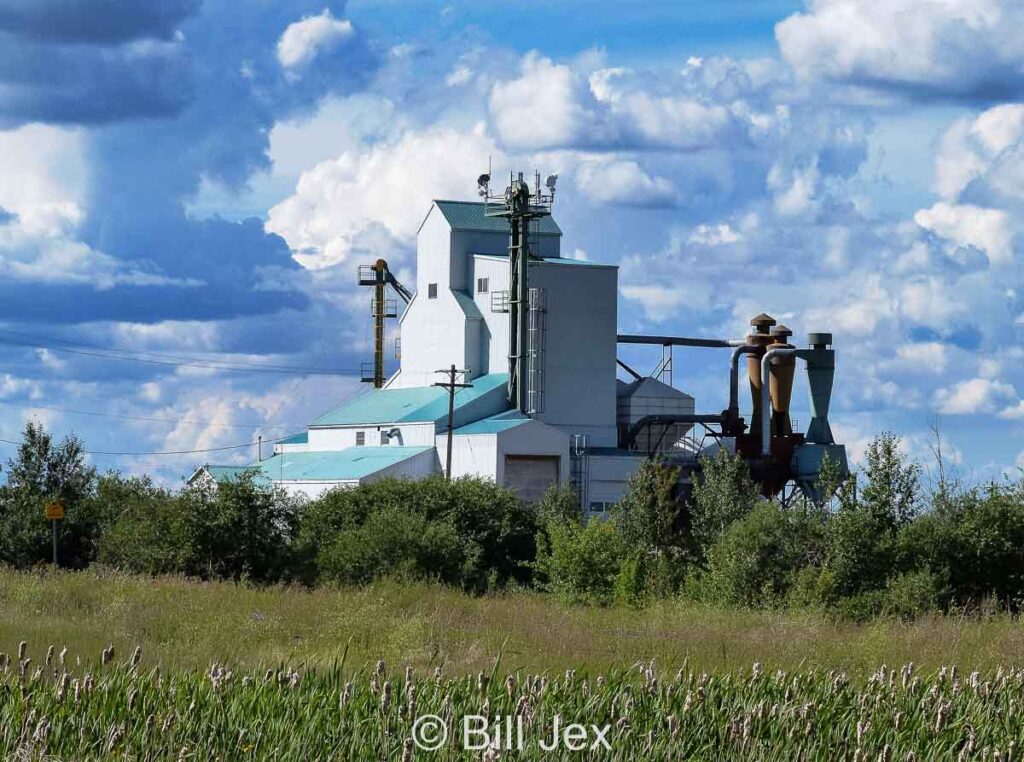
54	512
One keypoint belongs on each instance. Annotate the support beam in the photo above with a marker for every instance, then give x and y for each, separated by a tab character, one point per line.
674	341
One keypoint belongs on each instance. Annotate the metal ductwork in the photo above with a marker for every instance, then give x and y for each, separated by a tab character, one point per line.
821	372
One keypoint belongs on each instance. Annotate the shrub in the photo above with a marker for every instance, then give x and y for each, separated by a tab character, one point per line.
487	531
723	494
240	527
584	561
912	594
754	562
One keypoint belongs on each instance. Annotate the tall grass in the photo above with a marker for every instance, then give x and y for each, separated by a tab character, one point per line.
181	623
68	707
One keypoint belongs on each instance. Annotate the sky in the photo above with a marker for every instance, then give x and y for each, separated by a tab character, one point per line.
187	187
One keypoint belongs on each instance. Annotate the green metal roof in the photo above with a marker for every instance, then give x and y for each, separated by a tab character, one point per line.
469	215
300	438
423	404
495	424
342	465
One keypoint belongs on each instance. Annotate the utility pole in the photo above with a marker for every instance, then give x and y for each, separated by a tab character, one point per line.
451	386
259	449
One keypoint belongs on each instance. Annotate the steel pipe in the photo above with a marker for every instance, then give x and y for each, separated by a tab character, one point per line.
734	376
766	407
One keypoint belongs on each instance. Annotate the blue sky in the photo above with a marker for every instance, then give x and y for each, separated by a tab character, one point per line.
186	188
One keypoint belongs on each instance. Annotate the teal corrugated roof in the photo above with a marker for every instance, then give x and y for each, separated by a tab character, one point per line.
227	472
469	215
342	465
495	424
301	438
411	405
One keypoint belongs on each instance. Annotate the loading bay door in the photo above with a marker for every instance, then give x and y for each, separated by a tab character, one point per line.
529	476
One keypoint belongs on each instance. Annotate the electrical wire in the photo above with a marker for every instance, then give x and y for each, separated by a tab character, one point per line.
157	358
164	452
125	417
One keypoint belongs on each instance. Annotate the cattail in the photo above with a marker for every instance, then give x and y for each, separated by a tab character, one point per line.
407	750
941	715
49	656
346	696
510	685
385	701
42	731
22	648
481	682
136	656
107	655
62	656
756	671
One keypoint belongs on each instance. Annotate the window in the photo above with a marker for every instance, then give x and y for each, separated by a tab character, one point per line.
431	291
384	438
360	438
481	285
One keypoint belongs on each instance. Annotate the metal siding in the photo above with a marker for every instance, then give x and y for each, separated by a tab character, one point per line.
530	476
580	355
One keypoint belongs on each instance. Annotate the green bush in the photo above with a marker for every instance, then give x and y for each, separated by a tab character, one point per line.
584	562
486	534
238	528
754	562
723	494
912	594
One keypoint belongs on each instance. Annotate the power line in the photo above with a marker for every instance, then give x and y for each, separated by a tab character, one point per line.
126	417
156	358
164	452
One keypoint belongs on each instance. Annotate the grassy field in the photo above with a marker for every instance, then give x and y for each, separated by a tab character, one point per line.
185	624
56	708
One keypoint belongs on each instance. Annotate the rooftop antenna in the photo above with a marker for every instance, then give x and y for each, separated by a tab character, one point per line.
520	206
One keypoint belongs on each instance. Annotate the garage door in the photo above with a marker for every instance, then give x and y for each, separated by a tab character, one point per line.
529	476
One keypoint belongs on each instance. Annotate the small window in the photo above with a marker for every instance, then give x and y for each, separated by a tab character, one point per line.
384	438
360	438
481	285
431	291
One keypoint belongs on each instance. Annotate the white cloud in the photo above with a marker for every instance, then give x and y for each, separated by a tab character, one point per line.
544	107
969	225
622	181
968	48
304	40
922	357
460	75
714	235
976	395
989	148
378	196
657	302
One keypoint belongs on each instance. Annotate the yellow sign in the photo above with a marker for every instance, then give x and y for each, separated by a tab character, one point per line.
54	511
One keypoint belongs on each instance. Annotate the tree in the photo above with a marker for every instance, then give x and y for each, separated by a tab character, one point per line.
862	541
44	472
723	494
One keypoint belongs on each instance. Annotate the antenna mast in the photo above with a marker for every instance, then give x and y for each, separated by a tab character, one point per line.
520	205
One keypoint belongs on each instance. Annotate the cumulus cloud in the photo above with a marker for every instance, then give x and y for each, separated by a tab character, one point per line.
557	105
622	181
983	157
976	395
378	195
304	40
967	225
968	49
